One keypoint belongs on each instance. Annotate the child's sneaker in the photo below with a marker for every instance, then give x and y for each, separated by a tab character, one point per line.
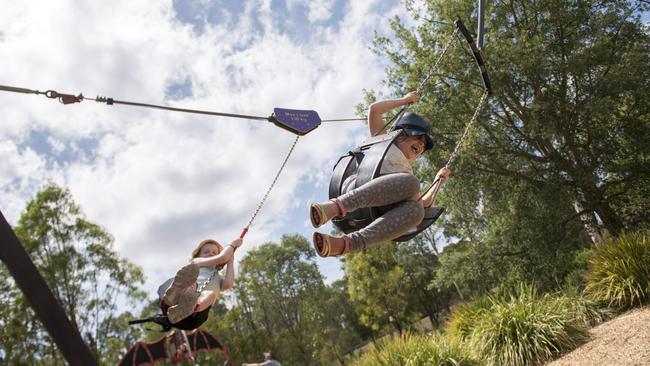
185	304
185	277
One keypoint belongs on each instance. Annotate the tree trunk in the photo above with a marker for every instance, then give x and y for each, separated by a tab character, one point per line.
610	219
594	199
589	222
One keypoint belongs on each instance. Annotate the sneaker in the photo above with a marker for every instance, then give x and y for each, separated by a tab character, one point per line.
185	304
185	277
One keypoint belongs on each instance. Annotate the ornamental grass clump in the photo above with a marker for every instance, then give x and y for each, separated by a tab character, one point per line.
416	350
587	310
619	271
526	329
462	321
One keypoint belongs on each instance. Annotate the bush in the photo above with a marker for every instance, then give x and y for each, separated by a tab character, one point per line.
619	271
412	350
526	329
588	311
463	319
578	265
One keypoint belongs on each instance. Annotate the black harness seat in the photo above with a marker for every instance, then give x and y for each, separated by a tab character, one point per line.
366	162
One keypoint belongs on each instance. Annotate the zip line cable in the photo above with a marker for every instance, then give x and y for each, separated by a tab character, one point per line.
70	98
459	27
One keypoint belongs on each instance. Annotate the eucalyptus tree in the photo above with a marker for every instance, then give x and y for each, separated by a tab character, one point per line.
376	284
87	277
570	109
419	260
280	302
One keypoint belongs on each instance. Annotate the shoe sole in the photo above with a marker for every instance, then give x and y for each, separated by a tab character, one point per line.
319	244
315	215
185	277
184	307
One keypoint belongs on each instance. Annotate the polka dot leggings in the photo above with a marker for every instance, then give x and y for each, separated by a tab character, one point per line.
396	188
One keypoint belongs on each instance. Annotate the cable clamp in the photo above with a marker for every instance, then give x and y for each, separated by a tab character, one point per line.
64	98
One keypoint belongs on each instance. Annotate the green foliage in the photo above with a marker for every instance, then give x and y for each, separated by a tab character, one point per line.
526	328
283	305
89	279
577	267
523	233
415	350
464	318
419	259
588	311
340	329
463	266
619	271
566	134
375	281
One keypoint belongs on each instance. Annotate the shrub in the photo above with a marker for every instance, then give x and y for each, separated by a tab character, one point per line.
412	350
585	309
578	265
526	329
463	319
619	271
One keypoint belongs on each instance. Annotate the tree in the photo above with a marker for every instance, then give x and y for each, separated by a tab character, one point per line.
419	259
375	282
87	278
340	331
389	284
526	237
280	296
570	110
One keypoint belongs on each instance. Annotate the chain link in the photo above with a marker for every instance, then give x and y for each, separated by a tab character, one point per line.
450	40
259	207
266	195
202	286
467	128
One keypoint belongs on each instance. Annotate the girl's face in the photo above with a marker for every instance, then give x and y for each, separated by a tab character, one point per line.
412	147
208	250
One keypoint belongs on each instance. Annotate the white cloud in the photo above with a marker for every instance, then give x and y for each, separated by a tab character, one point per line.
161	181
317	10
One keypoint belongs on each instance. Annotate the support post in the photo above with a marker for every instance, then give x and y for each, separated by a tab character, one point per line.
481	25
41	298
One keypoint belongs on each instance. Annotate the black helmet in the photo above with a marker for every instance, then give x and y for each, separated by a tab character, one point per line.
414	125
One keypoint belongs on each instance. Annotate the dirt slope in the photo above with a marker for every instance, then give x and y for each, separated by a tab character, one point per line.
622	341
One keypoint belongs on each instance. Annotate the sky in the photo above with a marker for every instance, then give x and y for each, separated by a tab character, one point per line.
162	181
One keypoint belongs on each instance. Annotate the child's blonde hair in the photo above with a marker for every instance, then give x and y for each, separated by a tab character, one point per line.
197	250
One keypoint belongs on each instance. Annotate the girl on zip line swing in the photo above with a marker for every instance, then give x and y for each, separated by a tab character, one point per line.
187	298
396	186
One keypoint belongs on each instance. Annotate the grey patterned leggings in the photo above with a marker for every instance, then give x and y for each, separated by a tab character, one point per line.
399	188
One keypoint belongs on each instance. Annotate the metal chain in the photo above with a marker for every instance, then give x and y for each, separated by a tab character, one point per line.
453	155
202	286
450	40
257	210
462	138
266	195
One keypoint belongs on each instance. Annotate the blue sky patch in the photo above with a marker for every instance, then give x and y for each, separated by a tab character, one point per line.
291	21
199	13
179	90
59	151
294	21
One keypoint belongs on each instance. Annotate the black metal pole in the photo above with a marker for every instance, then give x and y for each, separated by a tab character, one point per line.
481	25
39	295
